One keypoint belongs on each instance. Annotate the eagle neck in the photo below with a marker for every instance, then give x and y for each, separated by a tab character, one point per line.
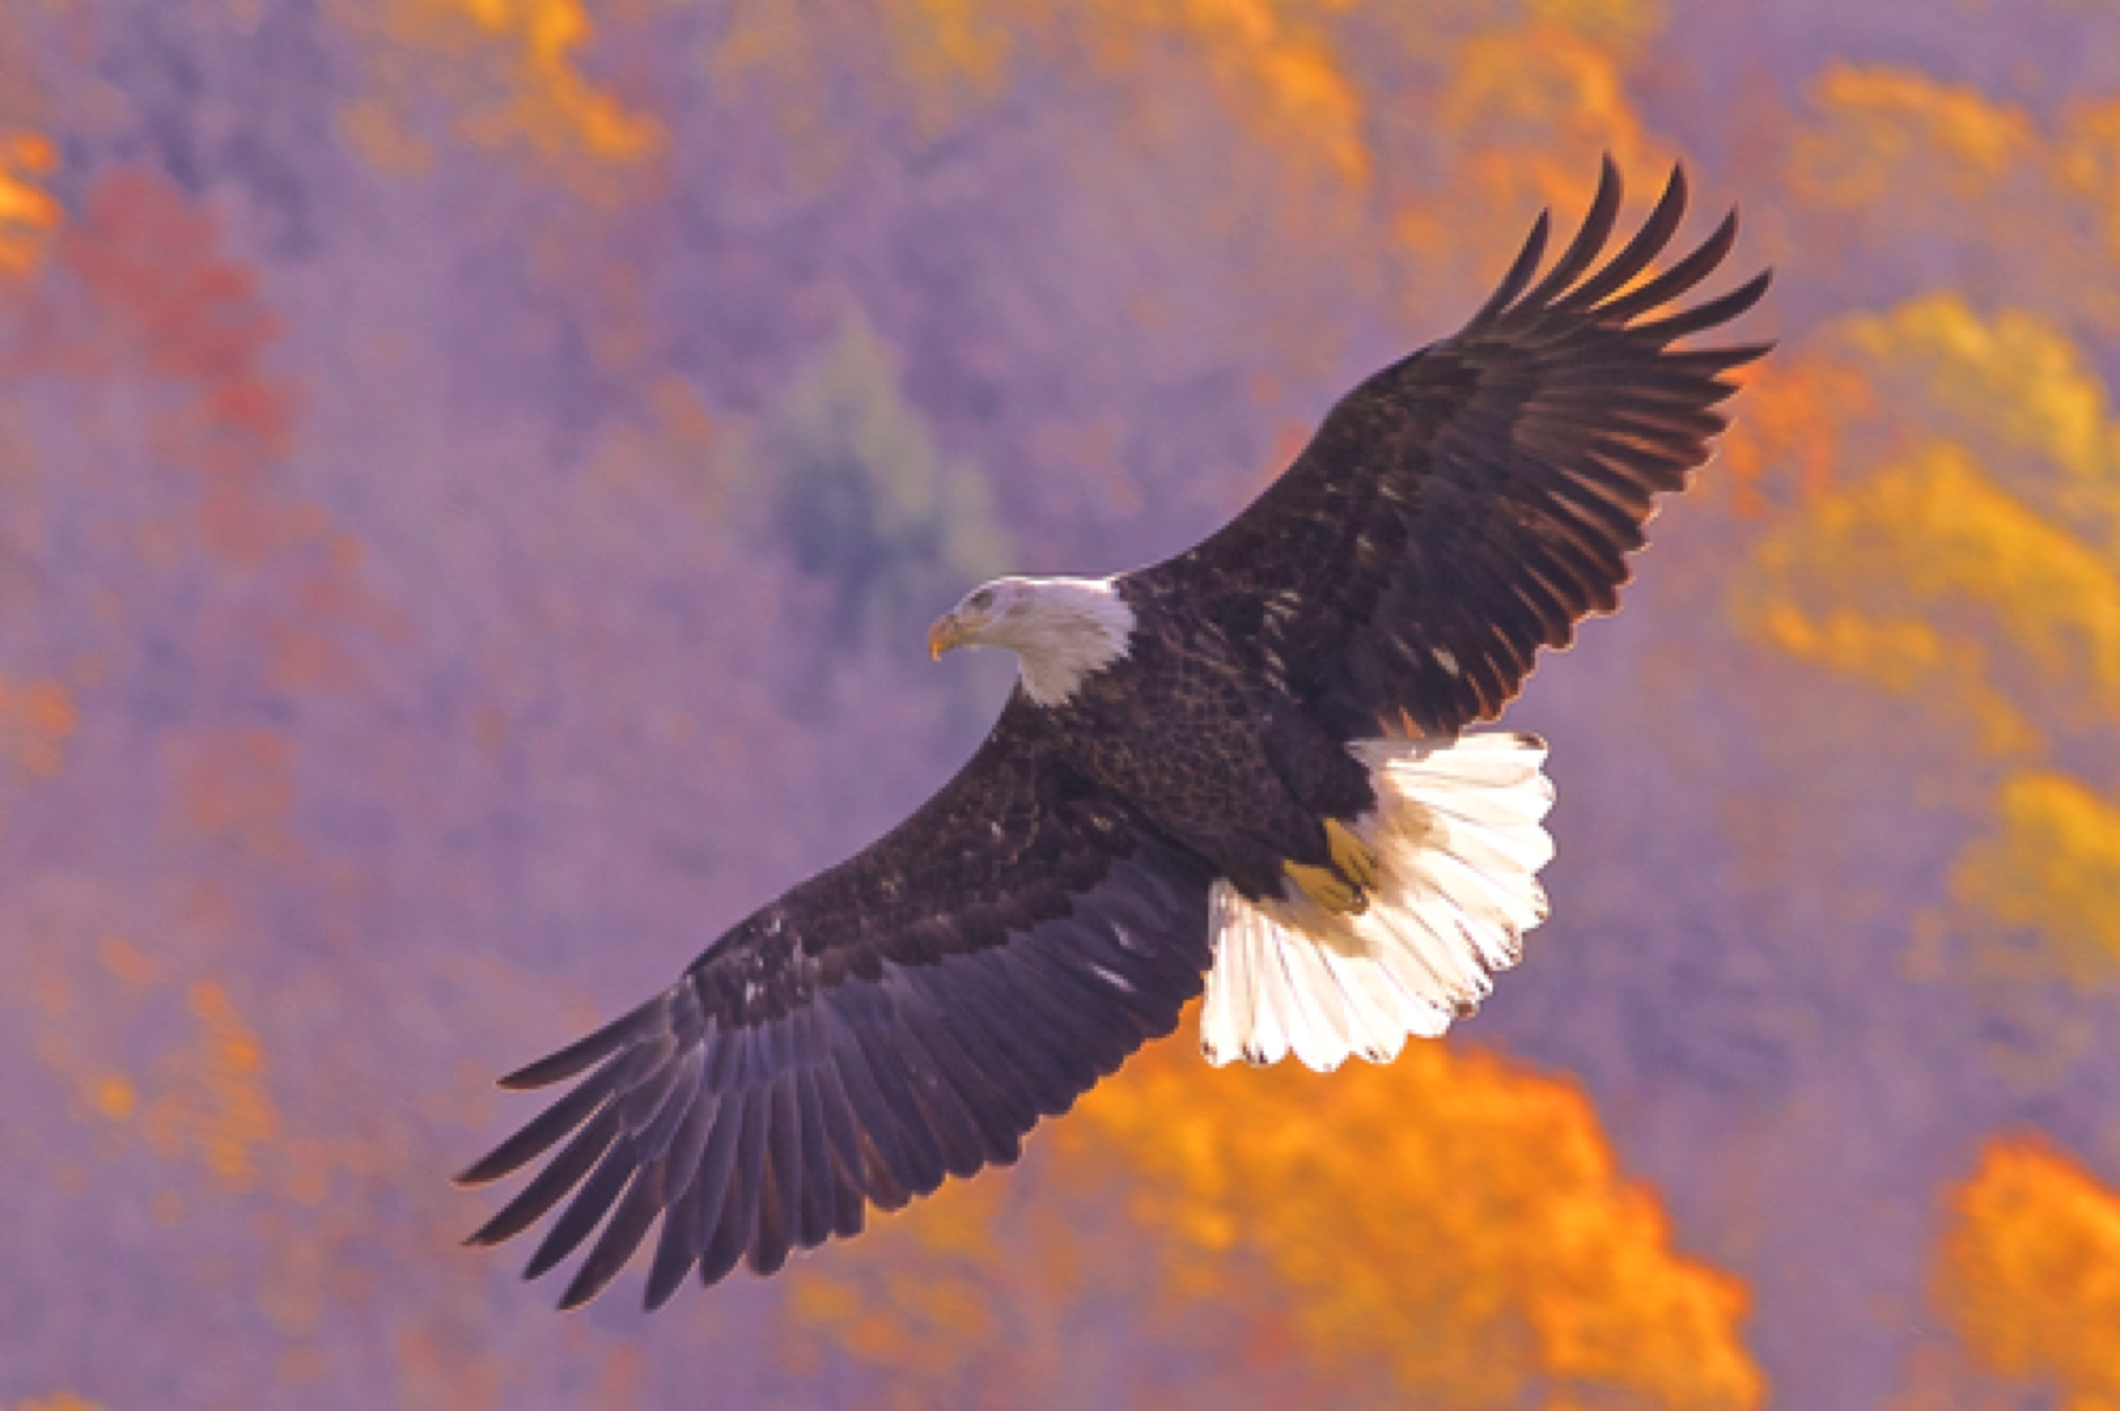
1077	628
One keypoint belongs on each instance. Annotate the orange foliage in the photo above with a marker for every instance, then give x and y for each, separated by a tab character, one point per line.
953	55
1525	77
215	1106
1422	1215
1796	414
1894	155
1452	1226
1527	108
465	50
115	1097
1518	125
2010	387
2087	162
155	294
144	251
1271	61
1879	122
1278	71
2029	1272
546	33
28	214
235	785
936	1292
37	718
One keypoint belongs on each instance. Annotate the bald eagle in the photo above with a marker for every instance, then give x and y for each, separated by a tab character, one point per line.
1243	765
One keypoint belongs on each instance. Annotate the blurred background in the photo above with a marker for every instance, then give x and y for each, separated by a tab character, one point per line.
473	476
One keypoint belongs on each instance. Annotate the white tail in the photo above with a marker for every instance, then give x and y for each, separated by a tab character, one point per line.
1457	836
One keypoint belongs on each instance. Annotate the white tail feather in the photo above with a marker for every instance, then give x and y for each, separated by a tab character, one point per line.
1458	840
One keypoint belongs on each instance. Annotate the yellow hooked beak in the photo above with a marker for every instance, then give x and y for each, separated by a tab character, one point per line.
947	633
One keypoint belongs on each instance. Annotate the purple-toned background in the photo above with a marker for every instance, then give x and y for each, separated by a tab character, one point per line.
473	475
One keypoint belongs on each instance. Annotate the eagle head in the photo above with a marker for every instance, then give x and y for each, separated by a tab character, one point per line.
1062	629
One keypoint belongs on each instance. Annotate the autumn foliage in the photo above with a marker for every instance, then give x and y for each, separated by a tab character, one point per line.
472	474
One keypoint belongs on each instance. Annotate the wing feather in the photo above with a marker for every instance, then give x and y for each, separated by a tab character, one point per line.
643	1201
552	1184
1469	504
1647	244
911	1014
908	1016
588	1208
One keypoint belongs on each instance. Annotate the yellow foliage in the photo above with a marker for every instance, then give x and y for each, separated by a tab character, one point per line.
1620	25
2004	385
2029	1273
1959	487
1879	123
1898	654
2052	872
1902	653
1894	155
1954	542
1451	1226
1933	534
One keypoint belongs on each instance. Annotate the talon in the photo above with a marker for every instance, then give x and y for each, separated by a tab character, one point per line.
1323	886
1355	858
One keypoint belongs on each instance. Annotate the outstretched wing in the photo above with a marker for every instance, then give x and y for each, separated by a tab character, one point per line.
1469	504
907	1015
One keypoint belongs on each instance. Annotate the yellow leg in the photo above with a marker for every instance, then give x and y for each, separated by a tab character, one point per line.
1355	859
1323	886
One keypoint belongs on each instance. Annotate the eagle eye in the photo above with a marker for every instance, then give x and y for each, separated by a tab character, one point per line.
981	600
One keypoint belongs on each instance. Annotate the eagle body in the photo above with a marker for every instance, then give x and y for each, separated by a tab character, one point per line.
1193	730
1245	769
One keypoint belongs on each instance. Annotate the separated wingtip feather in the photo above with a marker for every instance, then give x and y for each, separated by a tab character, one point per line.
586	1052
1519	275
1647	244
1582	252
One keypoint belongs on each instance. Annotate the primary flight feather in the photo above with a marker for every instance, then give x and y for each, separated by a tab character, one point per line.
1243	765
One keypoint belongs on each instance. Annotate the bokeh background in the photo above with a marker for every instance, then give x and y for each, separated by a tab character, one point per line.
473	474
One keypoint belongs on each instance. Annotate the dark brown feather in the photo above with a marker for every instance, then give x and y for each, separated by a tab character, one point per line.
1463	508
913	1012
904	1017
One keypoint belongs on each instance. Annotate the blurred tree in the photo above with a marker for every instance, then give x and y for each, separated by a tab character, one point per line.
1450	1229
2027	1273
866	501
